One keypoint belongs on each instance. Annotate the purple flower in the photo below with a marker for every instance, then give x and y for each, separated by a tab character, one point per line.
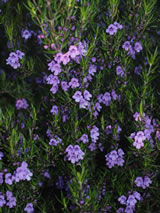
137	195
29	208
94	134
1	177
92	147
119	71
106	98
9	195
74	83
54	110
46	174
77	96
12	202
83	104
139	138
74	153
58	58
2	200
21	104
87	95
8	179
55	141
54	89
120	210
115	158
22	173
84	138
53	80
13	60
122	200
82	48
64	85
139	182
119	26
112	29
126	45
138	47
131	201
65	58
26	34
147	181
92	69
73	51
114	95
60	183
54	67
19	54
1	155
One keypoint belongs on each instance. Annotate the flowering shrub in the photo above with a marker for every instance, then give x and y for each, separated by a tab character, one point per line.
79	106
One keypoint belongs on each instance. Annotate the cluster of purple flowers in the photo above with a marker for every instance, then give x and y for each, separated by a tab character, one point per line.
74	153
73	52
115	158
55	141
29	208
13	59
21	104
141	136
113	28
130	202
83	101
10	200
132	50
21	173
144	183
120	71
94	134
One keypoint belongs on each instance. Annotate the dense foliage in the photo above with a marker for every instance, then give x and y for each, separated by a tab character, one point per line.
79	106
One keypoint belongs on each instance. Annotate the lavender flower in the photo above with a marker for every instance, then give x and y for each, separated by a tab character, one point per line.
21	104
54	110
84	138
26	34
13	60
112	29
92	69
58	58
122	200
29	208
87	95
1	177
126	45
65	58
1	155
74	83
94	133
64	85
2	200
77	96
138	47
8	179
12	202
22	173
74	153
115	158
73	51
